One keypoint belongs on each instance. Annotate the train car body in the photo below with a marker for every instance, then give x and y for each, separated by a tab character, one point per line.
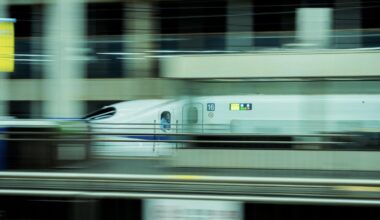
142	120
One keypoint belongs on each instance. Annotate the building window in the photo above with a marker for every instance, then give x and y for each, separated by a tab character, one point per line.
25	109
28	44
370	22
199	25
105	33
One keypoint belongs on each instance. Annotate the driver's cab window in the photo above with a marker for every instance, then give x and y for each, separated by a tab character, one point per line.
165	120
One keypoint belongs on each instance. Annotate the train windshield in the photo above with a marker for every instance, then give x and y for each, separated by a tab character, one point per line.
101	114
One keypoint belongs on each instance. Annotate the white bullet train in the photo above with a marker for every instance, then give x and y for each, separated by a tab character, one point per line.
141	121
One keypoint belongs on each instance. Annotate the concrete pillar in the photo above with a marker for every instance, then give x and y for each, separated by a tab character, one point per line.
64	29
347	23
314	27
239	28
3	76
37	38
139	31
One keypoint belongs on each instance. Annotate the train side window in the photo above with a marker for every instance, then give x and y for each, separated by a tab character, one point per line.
192	114
165	120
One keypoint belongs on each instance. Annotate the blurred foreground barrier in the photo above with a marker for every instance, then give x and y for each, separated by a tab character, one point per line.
41	144
331	160
284	189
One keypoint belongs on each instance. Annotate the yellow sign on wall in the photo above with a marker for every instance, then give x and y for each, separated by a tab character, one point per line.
7	44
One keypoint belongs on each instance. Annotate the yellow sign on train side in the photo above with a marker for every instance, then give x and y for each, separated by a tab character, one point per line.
7	44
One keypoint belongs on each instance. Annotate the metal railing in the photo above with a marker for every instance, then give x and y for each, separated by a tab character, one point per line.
179	133
266	189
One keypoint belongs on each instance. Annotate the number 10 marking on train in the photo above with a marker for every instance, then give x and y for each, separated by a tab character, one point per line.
211	107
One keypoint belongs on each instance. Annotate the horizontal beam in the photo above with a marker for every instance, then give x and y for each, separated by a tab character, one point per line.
186	178
296	64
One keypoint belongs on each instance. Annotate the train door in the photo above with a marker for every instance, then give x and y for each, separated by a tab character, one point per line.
192	118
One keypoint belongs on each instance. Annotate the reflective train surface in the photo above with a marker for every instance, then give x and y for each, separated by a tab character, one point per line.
140	122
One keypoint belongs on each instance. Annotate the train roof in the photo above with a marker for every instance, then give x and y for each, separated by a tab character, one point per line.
145	102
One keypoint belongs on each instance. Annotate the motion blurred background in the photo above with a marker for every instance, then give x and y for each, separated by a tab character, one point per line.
73	56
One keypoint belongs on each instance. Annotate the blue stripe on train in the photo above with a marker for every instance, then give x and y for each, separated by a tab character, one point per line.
149	137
